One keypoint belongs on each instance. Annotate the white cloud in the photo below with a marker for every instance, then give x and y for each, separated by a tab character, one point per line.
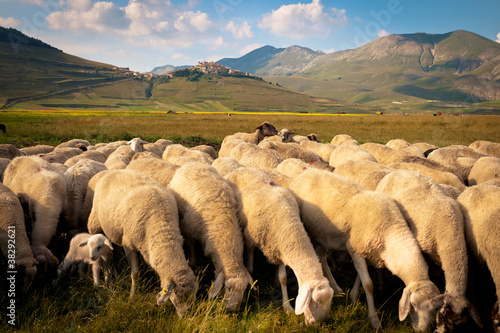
382	33
33	2
329	51
217	42
180	56
141	22
498	37
10	22
303	20
240	32
250	48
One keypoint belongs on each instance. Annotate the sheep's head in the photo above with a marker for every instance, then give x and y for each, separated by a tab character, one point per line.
136	144
234	289
286	135
313	137
455	311
181	292
420	299
266	129
97	244
314	301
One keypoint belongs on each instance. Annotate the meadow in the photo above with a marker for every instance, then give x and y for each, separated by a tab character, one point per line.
74	306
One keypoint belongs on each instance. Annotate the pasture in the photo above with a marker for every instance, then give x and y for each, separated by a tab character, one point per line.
74	306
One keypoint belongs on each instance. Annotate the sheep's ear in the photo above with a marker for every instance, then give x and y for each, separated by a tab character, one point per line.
404	304
108	243
84	243
219	282
303	299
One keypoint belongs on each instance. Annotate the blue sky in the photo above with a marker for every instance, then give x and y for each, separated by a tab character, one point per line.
143	34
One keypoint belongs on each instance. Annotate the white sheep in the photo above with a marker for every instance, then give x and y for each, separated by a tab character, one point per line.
14	242
89	154
349	152
160	170
137	213
163	143
263	130
484	169
225	165
108	148
38	149
490	148
364	172
77	179
152	148
137	145
207	150
459	159
10	151
117	160
343	215
437	223
290	150
251	155
60	155
387	155
74	143
323	150
4	162
344	139
229	142
86	249
425	147
174	151
481	209
89	199
292	167
145	155
270	219
208	208
310	137
43	188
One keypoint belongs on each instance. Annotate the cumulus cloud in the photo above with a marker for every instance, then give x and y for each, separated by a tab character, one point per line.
239	32
143	22
382	33
10	22
303	20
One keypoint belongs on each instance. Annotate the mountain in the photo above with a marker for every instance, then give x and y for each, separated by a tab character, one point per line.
160	70
269	60
458	66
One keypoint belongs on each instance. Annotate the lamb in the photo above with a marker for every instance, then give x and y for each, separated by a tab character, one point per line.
13	235
364	172
265	129
160	170
208	208
324	150
290	150
251	155
89	154
172	152
140	215
481	211
344	139
225	165
270	219
43	188
349	152
10	151
484	169
95	250
77	179
437	223
38	149
343	215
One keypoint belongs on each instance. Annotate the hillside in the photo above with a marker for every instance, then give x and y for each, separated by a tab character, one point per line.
161	70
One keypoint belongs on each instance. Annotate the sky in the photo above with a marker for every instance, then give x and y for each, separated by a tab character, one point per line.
144	34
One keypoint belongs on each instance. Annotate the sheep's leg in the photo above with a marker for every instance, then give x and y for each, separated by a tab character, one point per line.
354	294
191	252
362	269
81	266
96	268
107	271
284	291
322	256
249	255
134	269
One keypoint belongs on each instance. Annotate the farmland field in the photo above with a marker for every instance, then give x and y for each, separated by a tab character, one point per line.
74	306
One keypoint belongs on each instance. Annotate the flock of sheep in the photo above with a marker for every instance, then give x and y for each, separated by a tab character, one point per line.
293	198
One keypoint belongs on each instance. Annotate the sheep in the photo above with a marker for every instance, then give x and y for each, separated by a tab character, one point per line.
38	149
251	155
14	242
349	152
341	214
484	169
208	208
117	160
290	150
4	162
160	170
145	155
364	172
459	159
207	150
89	154
404	145
386	155
89	199
174	151
425	147
481	211
60	155
10	151
437	223
137	145
229	142
140	215
95	250
490	148
224	165
344	139
107	149
263	130
439	176
279	178
270	219
153	148
77	179
163	143
74	143
324	150
479	143
310	137
292	167
43	188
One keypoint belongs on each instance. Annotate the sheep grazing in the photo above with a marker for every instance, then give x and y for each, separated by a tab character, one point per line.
117	160
289	150
438	225
89	199
324	150
10	151
251	155
491	148
343	215
209	150
4	162
349	152
364	172
137	145
74	143
208	208
480	206
89	154
459	159
137	213
159	170
310	137
263	130
228	144
484	169
13	235
225	165
38	149
60	155
95	250
344	139
40	186
270	219
173	152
